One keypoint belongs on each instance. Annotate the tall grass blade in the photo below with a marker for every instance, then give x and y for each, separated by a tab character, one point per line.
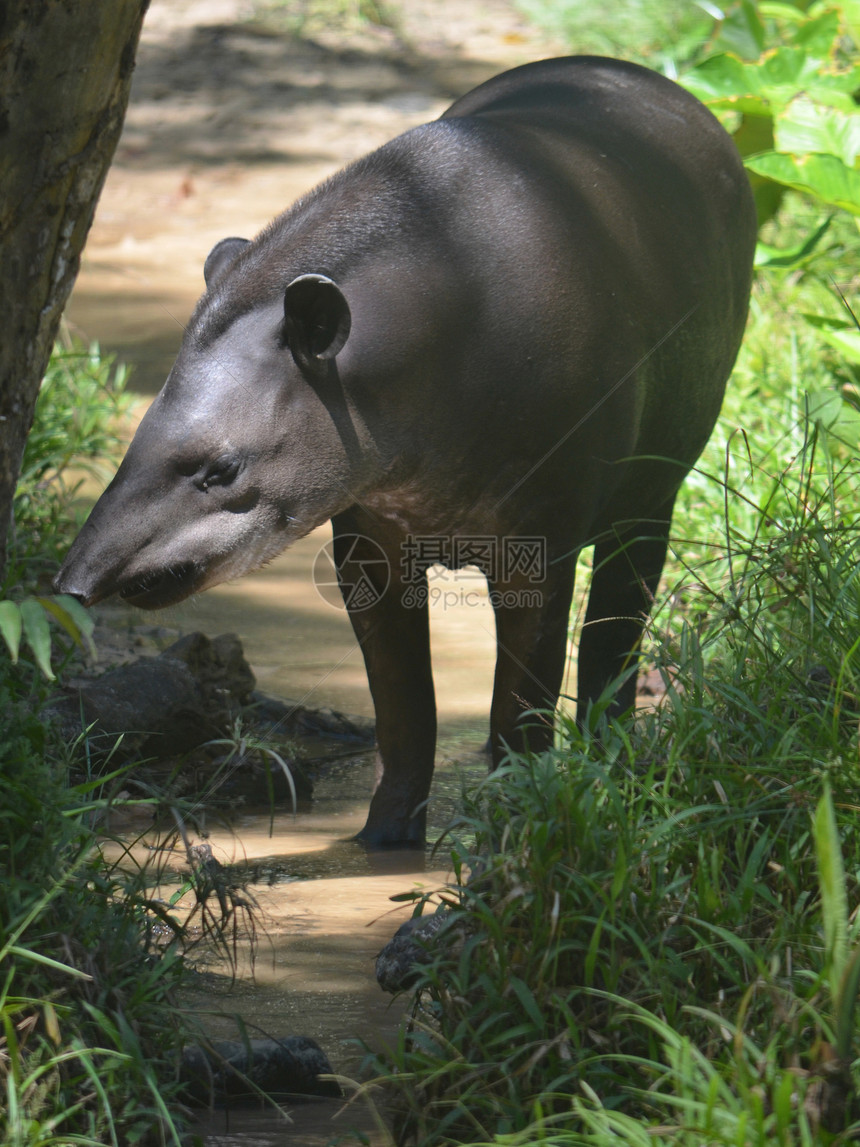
831	882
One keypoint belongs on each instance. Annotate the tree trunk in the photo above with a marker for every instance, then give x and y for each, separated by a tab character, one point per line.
65	74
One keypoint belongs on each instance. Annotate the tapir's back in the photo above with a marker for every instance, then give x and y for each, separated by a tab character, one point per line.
647	166
650	208
613	110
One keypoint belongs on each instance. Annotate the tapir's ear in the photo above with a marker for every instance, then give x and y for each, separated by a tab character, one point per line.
316	319
220	256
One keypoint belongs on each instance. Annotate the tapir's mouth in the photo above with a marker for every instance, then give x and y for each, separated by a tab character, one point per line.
162	587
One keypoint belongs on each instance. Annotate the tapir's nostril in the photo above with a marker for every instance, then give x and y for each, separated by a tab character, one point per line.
62	583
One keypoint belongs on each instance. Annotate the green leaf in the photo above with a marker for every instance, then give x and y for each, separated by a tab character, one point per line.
807	126
38	634
851	17
788	13
841	335
10	627
831	882
823	176
76	621
783	1108
831	411
742	31
845	1005
824	406
38	958
724	81
787	258
180	892
769	84
818	36
529	1003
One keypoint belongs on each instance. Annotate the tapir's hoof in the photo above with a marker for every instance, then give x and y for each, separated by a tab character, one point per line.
389	837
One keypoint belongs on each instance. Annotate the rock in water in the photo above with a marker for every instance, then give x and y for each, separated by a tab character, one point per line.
412	945
229	1071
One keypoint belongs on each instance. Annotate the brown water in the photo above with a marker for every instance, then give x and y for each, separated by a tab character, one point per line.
323	912
324	907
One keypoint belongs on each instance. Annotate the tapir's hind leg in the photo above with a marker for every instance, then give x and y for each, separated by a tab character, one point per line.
394	636
531	638
626	573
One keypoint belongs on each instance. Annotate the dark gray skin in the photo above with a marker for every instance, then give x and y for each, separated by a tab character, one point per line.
517	320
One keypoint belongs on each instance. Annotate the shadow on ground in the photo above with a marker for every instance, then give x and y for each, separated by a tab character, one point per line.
219	93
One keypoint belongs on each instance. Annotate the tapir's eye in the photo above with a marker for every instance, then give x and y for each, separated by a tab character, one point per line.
221	472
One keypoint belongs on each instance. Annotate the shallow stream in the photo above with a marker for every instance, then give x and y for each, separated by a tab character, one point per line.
324	907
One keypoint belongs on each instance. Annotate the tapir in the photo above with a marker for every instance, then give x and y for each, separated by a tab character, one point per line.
500	338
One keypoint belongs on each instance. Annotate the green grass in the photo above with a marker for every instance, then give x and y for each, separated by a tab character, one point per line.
89	967
90	1036
654	934
76	431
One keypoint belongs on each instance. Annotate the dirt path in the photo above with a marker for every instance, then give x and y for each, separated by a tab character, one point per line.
232	117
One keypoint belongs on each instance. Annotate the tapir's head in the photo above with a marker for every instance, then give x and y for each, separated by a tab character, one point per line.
251	443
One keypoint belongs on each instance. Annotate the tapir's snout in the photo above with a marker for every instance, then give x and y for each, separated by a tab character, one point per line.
153	589
116	554
59	585
78	579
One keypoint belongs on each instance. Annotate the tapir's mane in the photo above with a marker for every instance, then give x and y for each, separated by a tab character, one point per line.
326	231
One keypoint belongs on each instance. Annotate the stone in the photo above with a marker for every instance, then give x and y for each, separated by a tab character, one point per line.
164	705
218	665
235	1071
399	963
290	718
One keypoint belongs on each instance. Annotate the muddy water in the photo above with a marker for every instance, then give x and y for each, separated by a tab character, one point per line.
323	912
324	908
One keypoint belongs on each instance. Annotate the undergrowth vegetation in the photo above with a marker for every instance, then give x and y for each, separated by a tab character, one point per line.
90	1038
76	432
652	935
80	409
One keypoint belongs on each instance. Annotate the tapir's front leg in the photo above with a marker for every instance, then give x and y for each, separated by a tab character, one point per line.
394	634
531	636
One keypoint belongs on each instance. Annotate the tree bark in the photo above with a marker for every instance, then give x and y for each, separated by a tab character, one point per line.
65	75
